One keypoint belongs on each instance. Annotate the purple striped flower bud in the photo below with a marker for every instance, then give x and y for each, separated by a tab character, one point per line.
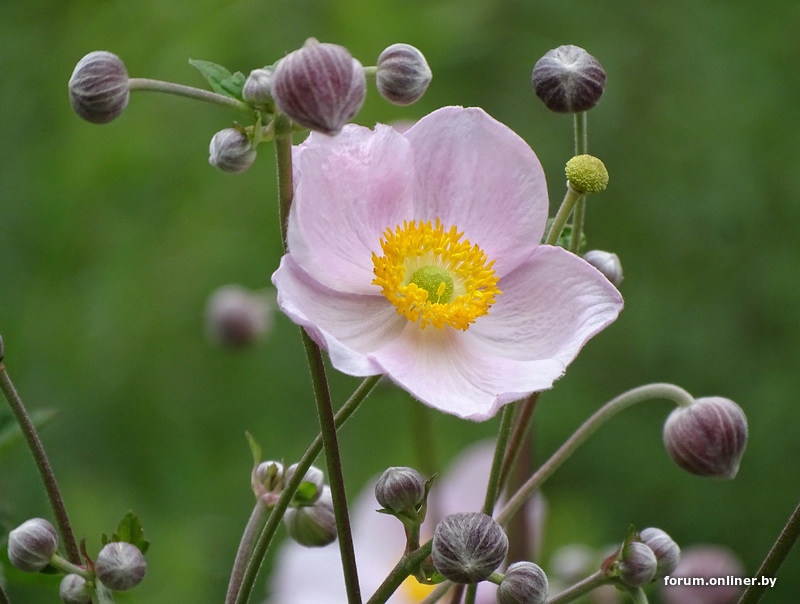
402	75
568	79
98	88
467	548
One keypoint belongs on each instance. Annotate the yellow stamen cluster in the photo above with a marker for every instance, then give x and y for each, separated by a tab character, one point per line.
425	250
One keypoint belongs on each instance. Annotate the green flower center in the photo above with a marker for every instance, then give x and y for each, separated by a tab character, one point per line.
436	281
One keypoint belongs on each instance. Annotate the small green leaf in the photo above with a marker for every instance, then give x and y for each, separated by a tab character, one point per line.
255	449
130	530
306	493
220	79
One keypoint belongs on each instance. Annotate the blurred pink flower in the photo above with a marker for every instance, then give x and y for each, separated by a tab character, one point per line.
417	255
314	575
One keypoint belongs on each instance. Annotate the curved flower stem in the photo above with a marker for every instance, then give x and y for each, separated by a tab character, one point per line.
405	567
248	580
251	532
191	93
3	596
522	422
438	593
581	588
42	463
606	412
561	217
777	554
638	595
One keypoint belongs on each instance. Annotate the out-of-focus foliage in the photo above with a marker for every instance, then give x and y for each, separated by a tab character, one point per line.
112	237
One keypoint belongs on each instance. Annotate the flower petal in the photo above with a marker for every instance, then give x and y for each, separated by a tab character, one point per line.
551	306
349	189
477	174
348	326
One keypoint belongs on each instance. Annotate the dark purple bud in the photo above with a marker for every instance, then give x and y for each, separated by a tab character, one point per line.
401	490
568	79
467	548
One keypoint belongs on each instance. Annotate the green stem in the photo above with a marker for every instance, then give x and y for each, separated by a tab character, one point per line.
774	559
522	422
104	595
638	595
577	225
68	567
561	217
401	571
335	477
581	148
252	530
3	596
493	486
273	522
42	464
581	130
190	92
581	588
438	593
602	415
283	159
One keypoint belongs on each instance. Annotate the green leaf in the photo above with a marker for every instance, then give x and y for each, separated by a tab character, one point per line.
305	494
220	79
255	449
129	530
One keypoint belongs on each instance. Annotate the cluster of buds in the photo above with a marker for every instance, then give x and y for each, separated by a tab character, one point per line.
644	557
120	566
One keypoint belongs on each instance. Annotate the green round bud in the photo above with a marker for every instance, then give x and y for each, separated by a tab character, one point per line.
523	583
98	88
587	174
32	544
467	548
120	566
74	590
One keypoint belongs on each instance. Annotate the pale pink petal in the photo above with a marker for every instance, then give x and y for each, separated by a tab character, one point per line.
551	306
348	326
449	372
478	175
348	190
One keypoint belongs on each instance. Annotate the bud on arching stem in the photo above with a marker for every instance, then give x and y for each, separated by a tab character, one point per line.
32	544
98	88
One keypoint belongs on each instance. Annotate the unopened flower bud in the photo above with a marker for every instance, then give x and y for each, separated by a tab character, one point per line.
73	590
120	566
269	475
667	552
607	263
257	88
467	548
231	151
586	174
237	317
524	583
637	564
708	437
319	86
98	88
32	544
313	525
400	490
568	79
403	74
692	582
313	475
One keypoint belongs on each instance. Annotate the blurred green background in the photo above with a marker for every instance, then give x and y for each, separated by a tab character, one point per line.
112	237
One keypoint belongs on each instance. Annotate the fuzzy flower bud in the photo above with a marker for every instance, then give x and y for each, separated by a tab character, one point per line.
607	263
269	474
98	88
401	490
314	476
319	86
667	552
313	525
120	566
231	151
524	583
32	544
258	87
403	74
236	317
708	437
73	590
467	548
568	79
586	174
637	565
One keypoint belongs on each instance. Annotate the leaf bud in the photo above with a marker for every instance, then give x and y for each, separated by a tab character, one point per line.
32	544
607	263
120	566
708	437
568	79
319	86
402	75
586	174
314	477
401	490
236	317
257	88
524	583
313	525
667	552
98	88
637	564
74	590
467	548
231	151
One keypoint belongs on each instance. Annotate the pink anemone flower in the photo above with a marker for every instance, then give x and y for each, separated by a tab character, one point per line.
303	575
418	256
